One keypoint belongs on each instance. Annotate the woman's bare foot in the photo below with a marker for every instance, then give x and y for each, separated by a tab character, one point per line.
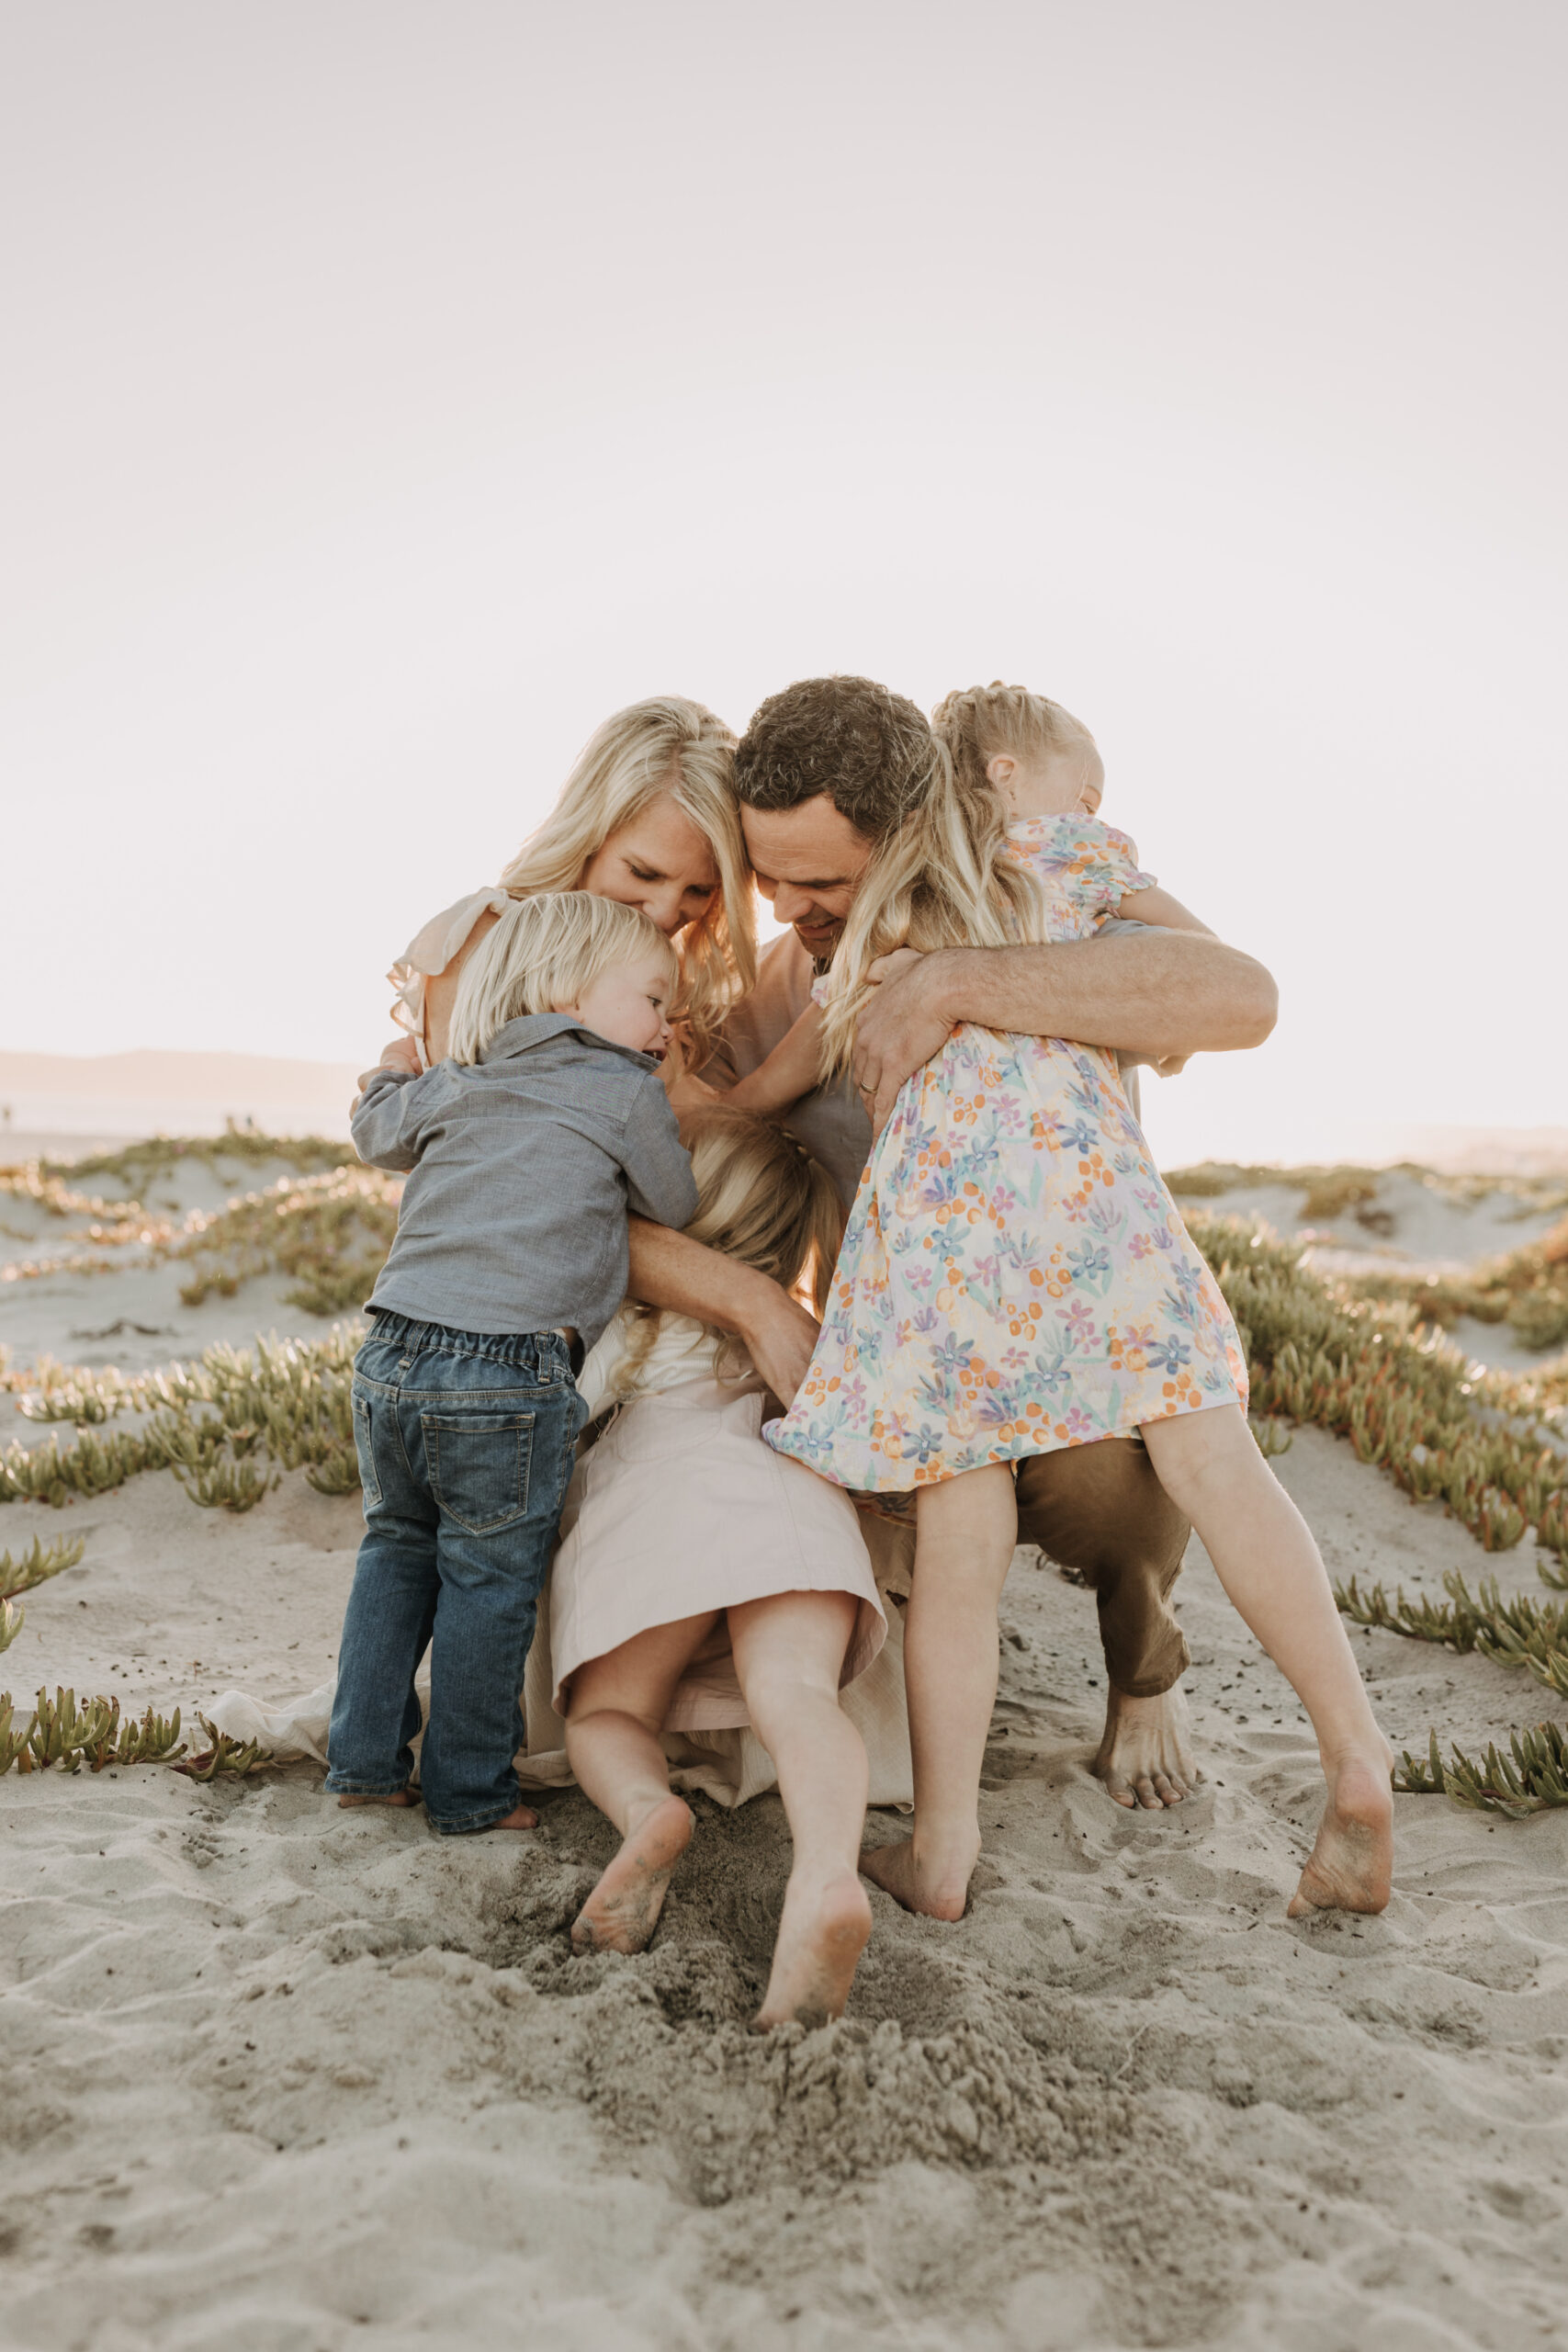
394	1796
623	1910
1351	1868
821	1937
1144	1757
937	1885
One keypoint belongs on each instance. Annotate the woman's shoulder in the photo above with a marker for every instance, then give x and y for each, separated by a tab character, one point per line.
431	948
430	951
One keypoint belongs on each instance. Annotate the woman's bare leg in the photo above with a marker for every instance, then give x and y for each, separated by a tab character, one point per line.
1264	1555
789	1652
617	1705
965	1531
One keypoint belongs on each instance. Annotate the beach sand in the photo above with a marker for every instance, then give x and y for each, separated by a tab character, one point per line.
281	2076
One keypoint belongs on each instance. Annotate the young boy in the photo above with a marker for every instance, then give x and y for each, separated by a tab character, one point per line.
527	1147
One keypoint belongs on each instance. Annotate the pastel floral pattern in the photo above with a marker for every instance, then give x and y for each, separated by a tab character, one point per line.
1015	1276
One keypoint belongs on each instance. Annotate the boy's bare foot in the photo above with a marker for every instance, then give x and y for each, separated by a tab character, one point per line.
623	1910
821	1937
522	1817
937	1886
1351	1868
396	1796
1144	1757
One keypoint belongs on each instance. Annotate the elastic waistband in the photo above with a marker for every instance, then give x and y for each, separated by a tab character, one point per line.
391	1330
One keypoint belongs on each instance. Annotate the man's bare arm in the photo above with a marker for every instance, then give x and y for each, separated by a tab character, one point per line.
1157	994
670	1270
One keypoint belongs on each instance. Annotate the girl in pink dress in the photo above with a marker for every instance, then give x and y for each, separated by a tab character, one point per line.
1016	1277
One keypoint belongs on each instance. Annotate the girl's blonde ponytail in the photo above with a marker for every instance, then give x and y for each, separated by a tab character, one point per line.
940	880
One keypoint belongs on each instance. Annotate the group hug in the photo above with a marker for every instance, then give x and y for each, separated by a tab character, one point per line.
745	1313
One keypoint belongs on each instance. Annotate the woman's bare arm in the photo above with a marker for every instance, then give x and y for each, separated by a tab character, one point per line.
441	991
670	1270
792	1069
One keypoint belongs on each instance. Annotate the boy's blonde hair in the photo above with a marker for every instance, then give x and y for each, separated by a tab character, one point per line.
667	744
540	956
763	1202
980	721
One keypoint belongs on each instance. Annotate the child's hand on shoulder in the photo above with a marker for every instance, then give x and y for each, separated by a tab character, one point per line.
401	1054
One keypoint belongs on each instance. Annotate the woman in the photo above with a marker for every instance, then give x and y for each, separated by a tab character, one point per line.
646	816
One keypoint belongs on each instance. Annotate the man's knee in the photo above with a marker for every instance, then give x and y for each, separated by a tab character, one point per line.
1099	1509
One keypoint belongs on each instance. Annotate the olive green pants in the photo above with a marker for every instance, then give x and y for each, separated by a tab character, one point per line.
1099	1509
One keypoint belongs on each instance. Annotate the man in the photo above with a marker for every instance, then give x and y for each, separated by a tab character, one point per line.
825	771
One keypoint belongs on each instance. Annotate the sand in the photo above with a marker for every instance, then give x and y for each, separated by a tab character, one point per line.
277	2075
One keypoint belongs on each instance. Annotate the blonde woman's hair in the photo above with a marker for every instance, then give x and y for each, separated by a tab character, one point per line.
980	721
665	745
540	956
940	880
765	1202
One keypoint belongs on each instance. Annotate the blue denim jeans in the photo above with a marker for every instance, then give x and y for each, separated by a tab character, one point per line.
466	1443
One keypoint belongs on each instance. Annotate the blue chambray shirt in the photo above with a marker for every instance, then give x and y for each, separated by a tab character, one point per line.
524	1166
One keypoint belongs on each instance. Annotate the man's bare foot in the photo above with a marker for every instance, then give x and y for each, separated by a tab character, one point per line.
935	1885
394	1796
821	1937
1351	1868
1145	1755
623	1910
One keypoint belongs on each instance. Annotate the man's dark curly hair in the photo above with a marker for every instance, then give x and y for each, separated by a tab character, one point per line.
869	750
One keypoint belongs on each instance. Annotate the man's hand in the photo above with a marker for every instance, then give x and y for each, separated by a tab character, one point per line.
779	1337
899	1029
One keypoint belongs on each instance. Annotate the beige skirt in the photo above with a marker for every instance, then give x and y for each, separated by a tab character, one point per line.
681	1508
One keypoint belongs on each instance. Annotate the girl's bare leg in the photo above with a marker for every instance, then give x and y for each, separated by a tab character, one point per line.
965	1531
1265	1557
618	1705
789	1652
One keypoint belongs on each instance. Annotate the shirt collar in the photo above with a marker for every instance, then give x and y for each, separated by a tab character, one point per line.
531	1029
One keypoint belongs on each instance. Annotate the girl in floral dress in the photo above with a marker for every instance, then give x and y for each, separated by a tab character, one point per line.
1016	1277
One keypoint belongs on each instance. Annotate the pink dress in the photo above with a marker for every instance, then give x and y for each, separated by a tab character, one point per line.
1014	1277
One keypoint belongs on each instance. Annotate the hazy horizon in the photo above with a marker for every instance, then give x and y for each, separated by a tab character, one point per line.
395	393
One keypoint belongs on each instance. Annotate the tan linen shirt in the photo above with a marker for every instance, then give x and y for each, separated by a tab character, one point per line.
830	1121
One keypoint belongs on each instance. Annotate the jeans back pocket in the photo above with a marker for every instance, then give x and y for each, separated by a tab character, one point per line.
479	1467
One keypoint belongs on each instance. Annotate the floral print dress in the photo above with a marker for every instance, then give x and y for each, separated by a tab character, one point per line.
1014	1276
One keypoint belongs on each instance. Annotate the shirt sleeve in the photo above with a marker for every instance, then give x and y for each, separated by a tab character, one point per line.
430	951
1109	869
386	1122
660	1184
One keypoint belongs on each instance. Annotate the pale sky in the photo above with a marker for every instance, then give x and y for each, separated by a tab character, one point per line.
390	392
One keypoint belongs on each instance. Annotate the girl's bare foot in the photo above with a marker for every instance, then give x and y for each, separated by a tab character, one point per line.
394	1796
1144	1756
1351	1868
623	1910
937	1885
821	1937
